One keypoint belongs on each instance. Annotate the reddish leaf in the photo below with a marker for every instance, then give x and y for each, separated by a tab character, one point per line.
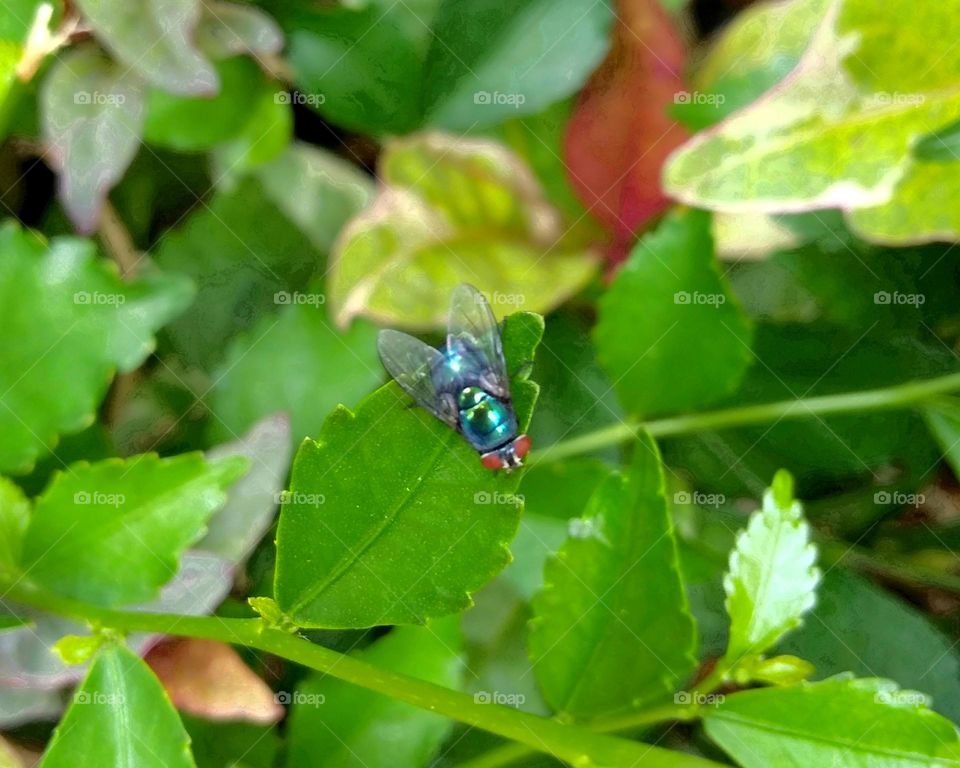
620	133
209	679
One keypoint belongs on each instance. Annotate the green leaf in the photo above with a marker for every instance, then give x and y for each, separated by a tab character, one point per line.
612	630
353	726
669	312
858	84
68	322
493	61
241	263
860	628
14	516
266	133
112	532
16	19
230	29
92	113
155	39
389	68
453	211
772	580
865	723
296	362
194	124
316	190
391	518
120	716
943	420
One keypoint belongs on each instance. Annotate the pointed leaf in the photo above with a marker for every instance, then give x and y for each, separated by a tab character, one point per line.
391	518
865	723
71	322
669	311
135	515
92	111
453	211
155	39
772	580
612	630
120	716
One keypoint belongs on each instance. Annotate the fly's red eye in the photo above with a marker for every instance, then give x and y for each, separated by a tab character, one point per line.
521	446
492	460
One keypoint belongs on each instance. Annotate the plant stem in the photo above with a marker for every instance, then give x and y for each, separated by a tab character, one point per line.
572	744
897	396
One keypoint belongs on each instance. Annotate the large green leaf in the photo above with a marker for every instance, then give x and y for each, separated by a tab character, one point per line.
840	131
120	717
155	39
771	581
865	723
391	518
860	628
352	726
112	532
92	112
670	335
67	322
611	629
453	211
492	61
389	68
943	420
293	361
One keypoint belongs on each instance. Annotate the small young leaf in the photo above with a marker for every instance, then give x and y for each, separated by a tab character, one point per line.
391	518
856	723
353	726
612	630
772	580
92	113
120	716
112	532
668	313
155	39
453	211
69	321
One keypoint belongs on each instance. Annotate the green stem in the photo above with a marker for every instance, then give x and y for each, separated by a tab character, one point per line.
898	396
572	744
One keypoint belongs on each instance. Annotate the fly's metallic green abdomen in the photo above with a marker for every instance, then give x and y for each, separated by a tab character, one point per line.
486	421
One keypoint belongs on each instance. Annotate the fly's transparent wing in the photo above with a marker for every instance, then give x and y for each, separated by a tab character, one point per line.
411	363
472	324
